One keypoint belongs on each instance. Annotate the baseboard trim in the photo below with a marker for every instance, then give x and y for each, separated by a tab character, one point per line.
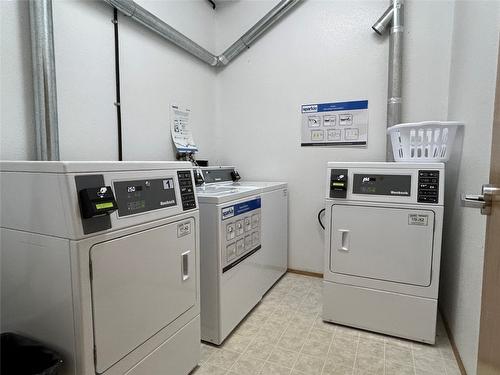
306	273
453	345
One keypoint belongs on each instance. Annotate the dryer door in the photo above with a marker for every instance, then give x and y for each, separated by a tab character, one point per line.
140	284
383	243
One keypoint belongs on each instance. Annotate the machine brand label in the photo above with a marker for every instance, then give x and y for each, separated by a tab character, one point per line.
418	219
227	212
309	108
167	203
240	208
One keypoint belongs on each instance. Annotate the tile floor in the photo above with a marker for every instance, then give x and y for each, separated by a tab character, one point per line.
284	334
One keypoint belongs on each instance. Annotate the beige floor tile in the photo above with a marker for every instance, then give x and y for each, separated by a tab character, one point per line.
308	364
291	342
206	352
315	347
283	357
369	364
393	368
338	366
341	357
451	367
430	363
223	358
247	329
371	348
247	366
209	369
398	342
286	331
398	354
345	343
324	326
270	368
258	349
237	343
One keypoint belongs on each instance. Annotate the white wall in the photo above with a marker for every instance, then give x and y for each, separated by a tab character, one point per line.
17	135
154	73
472	92
320	52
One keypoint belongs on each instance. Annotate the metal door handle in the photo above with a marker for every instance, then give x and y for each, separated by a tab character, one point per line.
185	265
489	193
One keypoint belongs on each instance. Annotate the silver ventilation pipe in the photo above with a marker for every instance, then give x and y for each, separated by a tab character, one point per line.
255	31
136	12
133	10
44	80
393	14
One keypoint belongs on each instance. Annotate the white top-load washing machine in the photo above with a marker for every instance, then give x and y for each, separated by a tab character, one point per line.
383	247
100	261
244	231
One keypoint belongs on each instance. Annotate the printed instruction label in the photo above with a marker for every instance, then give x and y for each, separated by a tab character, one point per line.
418	219
335	124
180	128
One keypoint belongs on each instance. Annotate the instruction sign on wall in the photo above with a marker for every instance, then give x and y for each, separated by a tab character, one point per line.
335	124
180	128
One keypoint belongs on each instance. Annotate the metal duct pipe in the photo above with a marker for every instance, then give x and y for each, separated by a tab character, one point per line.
136	12
394	13
44	80
141	15
255	31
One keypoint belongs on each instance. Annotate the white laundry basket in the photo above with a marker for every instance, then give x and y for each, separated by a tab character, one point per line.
428	141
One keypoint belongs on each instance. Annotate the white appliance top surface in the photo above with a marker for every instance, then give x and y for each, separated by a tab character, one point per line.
221	193
89	166
264	185
383	164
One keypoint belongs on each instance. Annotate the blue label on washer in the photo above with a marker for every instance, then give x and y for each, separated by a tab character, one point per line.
240	208
339	106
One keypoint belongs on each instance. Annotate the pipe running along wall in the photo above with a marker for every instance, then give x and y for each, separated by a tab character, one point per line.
44	80
394	16
136	12
44	72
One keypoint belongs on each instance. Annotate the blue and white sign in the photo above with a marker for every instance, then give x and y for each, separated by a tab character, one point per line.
335	124
240	208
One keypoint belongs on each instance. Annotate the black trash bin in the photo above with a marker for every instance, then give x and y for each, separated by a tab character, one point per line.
23	356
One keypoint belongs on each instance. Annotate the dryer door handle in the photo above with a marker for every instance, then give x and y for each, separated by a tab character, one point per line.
185	265
344	240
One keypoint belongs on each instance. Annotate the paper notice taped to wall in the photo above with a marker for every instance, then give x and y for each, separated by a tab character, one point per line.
180	128
335	124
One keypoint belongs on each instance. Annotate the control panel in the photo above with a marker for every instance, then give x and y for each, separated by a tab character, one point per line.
187	190
428	186
241	231
138	196
382	184
338	183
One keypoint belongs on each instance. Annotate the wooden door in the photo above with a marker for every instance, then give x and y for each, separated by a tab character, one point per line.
489	335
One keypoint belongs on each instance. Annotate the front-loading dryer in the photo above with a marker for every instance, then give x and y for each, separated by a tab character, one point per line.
100	261
383	247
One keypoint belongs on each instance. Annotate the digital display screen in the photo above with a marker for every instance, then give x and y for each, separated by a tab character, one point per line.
382	184
102	206
139	196
133	189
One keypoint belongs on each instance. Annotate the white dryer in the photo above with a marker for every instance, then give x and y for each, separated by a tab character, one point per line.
100	260
383	247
